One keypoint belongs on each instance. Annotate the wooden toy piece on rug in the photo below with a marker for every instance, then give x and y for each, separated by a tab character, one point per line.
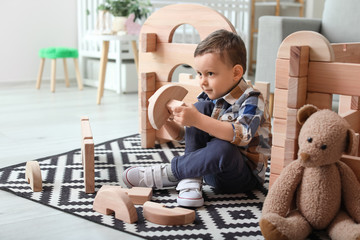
160	104
109	200
138	195
159	55
317	191
160	214
87	155
33	175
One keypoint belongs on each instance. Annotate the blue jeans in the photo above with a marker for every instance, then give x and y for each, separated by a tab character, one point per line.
219	162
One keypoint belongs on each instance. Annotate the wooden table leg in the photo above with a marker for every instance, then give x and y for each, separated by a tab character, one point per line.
102	73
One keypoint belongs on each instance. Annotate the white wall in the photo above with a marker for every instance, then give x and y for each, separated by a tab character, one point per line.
28	25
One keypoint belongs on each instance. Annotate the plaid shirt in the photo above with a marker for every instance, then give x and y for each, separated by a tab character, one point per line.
245	108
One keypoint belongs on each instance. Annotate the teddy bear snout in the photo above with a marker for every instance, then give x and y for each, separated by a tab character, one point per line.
304	157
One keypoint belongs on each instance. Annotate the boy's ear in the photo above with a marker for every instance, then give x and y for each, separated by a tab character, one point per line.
238	72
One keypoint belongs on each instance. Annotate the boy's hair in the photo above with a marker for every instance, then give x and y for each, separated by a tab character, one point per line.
229	45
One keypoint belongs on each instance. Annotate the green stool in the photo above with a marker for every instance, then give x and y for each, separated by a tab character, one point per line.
58	52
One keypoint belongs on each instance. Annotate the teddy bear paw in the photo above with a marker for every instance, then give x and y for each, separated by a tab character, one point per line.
269	231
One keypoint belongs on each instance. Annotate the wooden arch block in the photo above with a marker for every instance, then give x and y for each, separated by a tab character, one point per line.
320	48
160	103
138	195
33	176
160	214
109	200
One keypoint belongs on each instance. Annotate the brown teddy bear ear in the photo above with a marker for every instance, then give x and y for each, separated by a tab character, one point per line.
352	142
305	112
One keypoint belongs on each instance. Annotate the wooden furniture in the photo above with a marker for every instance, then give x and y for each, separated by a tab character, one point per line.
110	200
58	52
119	60
310	70
158	56
33	175
87	155
160	214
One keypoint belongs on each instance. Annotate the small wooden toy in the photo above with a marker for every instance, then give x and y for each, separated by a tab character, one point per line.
138	195
160	214
109	200
162	101
87	155
33	175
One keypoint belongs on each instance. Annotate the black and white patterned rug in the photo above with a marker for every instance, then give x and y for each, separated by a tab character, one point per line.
228	216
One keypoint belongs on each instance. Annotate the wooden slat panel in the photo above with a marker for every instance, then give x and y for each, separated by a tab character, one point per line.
347	53
334	78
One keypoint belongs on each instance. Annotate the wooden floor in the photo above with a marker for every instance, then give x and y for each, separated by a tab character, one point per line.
38	123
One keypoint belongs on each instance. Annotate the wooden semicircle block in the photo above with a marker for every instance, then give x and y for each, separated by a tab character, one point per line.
109	200
33	175
158	111
160	214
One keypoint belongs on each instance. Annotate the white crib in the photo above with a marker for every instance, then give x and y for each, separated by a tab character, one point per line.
121	71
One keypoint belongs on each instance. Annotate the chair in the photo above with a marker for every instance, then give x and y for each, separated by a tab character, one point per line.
310	70
338	25
58	52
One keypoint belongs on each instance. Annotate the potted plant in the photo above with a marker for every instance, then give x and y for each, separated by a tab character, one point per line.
121	9
103	25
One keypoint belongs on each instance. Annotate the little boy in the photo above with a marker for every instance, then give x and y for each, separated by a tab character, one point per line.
227	131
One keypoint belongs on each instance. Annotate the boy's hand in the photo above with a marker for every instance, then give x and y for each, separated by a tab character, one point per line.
186	115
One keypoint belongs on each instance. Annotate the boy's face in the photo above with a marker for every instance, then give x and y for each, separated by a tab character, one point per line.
216	78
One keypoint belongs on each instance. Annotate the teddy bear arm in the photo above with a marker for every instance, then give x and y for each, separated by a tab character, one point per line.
350	191
281	193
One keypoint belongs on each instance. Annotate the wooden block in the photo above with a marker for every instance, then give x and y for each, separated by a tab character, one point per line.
188	78
355	102
299	61
279	132
291	149
280	103
278	160
292	125
144	102
160	214
273	177
85	128
264	88
109	200
353	118
354	163
137	195
148	82
170	131
320	48
88	155
145	123
346	52
297	92
88	165
148	41
344	104
320	100
157	110
282	73
334	78
148	138
33	175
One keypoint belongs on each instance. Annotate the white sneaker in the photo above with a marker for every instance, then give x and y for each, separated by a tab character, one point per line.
190	194
153	177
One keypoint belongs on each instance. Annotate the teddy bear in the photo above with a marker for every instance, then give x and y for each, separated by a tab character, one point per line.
317	191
